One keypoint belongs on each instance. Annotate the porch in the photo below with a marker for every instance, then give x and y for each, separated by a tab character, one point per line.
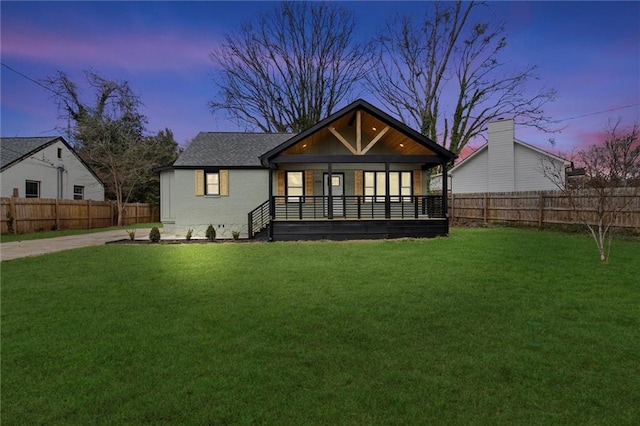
348	217
359	173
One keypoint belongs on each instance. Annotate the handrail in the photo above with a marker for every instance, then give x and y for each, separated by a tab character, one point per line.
358	207
259	219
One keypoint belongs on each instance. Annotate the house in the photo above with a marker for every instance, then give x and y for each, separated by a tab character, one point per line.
359	173
503	164
45	167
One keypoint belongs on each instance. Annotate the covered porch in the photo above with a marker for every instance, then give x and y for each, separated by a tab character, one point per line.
359	174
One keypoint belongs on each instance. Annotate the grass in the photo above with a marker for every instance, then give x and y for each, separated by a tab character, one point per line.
488	326
8	238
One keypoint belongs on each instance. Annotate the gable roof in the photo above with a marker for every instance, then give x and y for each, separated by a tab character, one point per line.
484	147
361	104
14	150
228	149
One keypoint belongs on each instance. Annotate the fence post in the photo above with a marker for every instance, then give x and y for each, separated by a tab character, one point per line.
89	221
540	209
57	213
13	212
485	205
453	207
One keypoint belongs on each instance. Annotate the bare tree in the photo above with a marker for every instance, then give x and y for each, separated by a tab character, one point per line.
611	181
290	68
447	56
107	133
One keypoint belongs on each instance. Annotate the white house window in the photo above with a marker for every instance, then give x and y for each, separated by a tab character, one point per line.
375	186
78	192
32	189
212	181
59	152
295	186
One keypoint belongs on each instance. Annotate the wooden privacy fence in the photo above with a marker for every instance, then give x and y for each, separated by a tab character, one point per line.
538	208
21	215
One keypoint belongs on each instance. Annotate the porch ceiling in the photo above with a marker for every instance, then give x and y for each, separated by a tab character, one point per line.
366	130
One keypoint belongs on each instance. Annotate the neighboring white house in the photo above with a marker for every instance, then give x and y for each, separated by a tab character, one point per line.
504	164
46	167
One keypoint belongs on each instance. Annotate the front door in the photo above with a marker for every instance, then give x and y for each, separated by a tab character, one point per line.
337	192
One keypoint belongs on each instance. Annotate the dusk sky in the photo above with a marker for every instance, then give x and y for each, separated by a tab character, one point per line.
588	51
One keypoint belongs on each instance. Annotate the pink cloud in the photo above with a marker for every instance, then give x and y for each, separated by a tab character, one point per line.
161	52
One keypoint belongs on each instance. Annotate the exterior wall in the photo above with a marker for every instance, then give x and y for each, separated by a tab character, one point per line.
529	175
247	190
501	171
472	176
348	170
43	167
167	189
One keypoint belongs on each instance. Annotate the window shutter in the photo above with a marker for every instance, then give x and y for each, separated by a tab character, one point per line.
280	186
199	179
224	183
417	182
358	189
308	186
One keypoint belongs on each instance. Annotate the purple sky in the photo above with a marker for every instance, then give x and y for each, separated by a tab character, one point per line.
588	51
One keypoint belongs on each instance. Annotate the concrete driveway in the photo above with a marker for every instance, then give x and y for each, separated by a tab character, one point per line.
19	249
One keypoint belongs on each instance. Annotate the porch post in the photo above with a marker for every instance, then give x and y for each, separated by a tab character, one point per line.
272	206
330	191
445	190
387	198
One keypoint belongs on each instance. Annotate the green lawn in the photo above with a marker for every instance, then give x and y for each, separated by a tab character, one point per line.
8	238
488	326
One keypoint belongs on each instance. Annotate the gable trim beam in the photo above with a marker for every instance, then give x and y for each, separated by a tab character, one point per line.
359	132
342	140
375	140
443	153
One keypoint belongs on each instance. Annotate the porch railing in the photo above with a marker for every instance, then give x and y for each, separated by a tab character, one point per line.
358	207
258	219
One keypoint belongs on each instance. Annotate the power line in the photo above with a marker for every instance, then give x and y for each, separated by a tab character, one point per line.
595	113
31	79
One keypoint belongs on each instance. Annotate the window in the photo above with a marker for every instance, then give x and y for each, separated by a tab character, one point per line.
59	152
375	186
78	192
295	186
32	189
212	183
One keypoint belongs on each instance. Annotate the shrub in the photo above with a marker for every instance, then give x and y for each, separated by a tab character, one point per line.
131	233
154	235
211	233
189	234
235	234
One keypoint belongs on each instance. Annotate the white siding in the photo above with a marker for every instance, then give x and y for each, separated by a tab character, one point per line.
472	176
247	190
529	175
501	156
43	167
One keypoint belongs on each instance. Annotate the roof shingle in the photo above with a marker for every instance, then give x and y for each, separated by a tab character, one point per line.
14	149
229	149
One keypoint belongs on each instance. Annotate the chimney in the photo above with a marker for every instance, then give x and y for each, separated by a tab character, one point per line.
501	171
